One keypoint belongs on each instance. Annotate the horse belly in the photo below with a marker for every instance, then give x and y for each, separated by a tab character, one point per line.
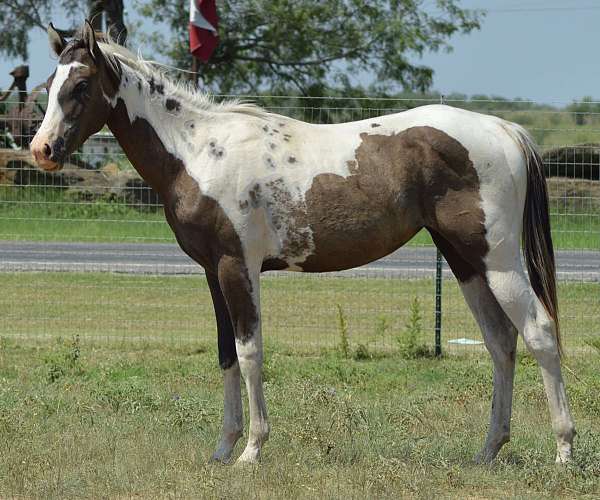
355	221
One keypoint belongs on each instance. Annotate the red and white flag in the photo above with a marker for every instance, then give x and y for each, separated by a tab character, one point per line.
204	22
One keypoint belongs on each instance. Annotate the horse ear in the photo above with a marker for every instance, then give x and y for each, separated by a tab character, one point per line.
89	38
55	39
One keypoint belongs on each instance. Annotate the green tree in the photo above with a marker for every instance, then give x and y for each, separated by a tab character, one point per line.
19	17
582	110
312	46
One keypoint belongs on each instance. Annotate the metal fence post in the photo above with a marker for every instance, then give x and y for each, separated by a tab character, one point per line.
438	294
438	304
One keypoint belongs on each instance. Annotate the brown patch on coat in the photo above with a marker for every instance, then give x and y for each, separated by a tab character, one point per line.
237	289
399	183
274	264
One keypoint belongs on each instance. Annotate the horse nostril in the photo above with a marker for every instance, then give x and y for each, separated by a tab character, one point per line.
47	151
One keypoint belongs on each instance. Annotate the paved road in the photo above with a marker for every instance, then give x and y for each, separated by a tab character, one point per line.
140	258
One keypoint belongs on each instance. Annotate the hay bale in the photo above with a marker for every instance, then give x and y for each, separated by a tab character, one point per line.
580	161
110	170
131	187
574	195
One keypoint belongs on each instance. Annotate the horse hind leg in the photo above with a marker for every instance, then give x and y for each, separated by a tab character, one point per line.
509	285
500	339
518	300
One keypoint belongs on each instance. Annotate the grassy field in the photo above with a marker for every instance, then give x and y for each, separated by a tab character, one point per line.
110	388
299	311
88	422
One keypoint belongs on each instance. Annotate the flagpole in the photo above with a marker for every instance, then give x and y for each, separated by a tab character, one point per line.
195	71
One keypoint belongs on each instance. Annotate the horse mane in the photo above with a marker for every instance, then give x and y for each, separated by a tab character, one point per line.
200	100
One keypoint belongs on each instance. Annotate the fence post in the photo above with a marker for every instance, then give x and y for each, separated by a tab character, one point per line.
438	294
438	304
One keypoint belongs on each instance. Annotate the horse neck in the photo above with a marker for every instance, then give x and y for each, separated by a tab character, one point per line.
146	123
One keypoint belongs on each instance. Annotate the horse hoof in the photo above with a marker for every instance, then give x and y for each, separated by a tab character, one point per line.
221	458
563	458
251	456
483	458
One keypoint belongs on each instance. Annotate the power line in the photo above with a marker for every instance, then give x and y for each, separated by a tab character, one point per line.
538	9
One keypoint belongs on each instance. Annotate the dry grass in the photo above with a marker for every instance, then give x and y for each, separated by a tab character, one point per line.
132	407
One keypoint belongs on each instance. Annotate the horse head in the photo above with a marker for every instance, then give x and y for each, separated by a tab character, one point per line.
80	92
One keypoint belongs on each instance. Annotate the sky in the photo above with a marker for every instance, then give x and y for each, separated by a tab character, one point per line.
544	50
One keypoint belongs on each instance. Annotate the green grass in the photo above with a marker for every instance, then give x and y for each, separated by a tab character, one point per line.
299	311
88	422
49	214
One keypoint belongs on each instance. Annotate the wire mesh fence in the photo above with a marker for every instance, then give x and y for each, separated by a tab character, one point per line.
86	251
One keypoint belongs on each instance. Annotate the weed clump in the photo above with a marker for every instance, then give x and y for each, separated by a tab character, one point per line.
189	412
64	360
362	353
344	343
408	341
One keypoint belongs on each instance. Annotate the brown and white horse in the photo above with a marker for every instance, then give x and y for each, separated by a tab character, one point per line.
246	191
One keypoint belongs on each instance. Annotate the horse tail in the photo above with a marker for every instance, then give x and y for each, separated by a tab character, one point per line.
537	239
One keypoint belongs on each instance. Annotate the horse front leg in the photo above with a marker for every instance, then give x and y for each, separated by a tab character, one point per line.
232	400
240	286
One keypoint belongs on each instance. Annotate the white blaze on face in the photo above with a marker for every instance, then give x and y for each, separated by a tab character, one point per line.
53	123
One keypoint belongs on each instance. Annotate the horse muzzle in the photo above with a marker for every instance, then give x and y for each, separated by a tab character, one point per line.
49	155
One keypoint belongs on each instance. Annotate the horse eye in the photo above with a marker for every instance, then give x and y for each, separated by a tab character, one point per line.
81	87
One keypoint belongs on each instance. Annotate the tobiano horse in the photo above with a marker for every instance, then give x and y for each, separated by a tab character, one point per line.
247	191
